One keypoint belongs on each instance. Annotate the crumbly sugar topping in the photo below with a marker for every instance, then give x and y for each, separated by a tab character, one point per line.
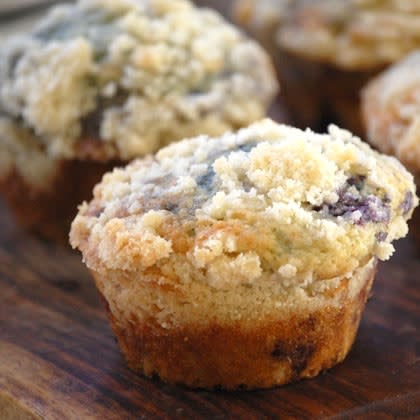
269	200
119	79
391	108
352	34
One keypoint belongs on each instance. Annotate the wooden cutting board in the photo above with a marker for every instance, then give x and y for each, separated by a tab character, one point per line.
59	360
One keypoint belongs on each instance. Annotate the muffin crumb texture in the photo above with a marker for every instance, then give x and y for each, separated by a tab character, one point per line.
270	203
106	80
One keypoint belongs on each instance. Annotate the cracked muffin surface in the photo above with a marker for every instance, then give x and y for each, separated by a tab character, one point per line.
104	80
268	200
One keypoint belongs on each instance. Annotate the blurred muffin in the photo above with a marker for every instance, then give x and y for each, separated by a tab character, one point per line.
391	112
326	50
243	261
100	82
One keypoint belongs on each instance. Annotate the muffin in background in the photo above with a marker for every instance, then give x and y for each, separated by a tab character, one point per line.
243	261
391	113
99	82
327	50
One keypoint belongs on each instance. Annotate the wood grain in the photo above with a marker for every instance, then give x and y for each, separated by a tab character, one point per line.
59	360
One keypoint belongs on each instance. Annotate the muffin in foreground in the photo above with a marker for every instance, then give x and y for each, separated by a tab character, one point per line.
243	261
327	50
98	83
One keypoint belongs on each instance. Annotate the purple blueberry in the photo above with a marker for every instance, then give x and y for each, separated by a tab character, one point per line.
353	205
407	203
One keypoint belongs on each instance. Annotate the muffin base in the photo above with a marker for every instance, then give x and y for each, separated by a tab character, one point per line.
49	213
318	94
292	344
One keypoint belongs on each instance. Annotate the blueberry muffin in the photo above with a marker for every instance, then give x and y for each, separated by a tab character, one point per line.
326	50
99	82
243	261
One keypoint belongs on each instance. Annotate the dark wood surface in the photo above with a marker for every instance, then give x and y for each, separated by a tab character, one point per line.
59	360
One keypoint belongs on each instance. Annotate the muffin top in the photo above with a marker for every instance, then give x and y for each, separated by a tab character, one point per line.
391	109
351	34
117	79
269	199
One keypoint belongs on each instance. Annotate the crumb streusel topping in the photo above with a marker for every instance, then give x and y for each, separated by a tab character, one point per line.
352	34
117	79
391	108
269	200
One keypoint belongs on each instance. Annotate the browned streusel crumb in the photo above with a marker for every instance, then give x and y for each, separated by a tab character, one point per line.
269	200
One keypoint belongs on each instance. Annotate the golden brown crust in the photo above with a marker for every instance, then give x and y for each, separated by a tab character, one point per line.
245	354
49	212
